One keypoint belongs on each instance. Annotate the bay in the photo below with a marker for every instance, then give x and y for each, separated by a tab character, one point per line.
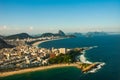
108	51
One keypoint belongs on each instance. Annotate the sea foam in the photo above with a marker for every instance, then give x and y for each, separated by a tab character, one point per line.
97	68
83	59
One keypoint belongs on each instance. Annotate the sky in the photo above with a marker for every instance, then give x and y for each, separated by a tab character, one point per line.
39	16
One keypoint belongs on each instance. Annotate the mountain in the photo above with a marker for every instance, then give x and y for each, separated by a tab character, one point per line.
1	36
89	34
60	34
20	36
47	35
3	44
77	34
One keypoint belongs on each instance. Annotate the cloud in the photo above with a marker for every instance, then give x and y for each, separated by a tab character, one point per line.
4	27
31	28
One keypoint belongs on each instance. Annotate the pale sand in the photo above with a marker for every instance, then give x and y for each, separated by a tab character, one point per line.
39	42
4	74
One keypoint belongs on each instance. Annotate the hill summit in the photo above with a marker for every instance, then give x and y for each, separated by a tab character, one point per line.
60	34
20	36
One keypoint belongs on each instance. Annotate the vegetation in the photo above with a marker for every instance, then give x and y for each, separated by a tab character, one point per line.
84	65
65	58
19	36
60	34
3	44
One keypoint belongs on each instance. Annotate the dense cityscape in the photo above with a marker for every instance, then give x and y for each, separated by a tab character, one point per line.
59	39
26	54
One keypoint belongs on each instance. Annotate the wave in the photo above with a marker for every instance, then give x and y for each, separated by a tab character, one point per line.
97	68
83	59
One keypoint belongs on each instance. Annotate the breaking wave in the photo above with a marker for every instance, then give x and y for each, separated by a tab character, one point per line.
97	68
83	59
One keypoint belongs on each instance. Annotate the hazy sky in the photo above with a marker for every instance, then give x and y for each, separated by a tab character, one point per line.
38	16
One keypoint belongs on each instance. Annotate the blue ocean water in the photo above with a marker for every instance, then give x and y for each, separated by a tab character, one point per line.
108	51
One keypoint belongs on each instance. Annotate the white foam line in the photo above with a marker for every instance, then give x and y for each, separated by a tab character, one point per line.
83	59
97	68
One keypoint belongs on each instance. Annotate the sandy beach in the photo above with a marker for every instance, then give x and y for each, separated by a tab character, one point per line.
39	42
4	74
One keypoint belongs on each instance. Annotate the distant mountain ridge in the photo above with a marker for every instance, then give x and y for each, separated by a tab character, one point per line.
96	34
25	35
20	36
60	34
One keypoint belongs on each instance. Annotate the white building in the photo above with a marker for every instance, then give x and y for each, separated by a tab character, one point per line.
62	50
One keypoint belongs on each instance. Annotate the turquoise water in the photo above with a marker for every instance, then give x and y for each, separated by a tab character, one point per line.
65	73
108	51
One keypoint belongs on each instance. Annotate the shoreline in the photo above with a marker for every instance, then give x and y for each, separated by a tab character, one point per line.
40	42
5	74
27	70
52	66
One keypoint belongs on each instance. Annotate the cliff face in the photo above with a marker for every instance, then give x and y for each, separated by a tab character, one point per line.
3	44
61	33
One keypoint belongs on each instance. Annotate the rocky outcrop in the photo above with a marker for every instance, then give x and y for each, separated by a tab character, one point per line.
61	33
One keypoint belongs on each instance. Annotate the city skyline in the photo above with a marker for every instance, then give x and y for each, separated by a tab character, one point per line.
38	16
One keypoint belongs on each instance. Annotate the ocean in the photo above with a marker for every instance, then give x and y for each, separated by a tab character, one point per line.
107	51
